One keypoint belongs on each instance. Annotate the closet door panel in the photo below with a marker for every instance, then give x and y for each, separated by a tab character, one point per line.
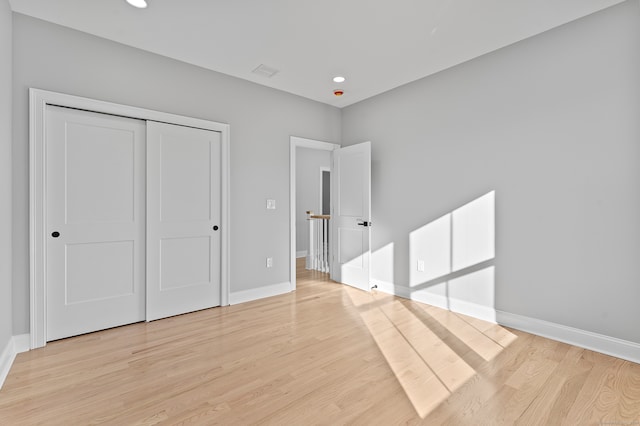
95	214
183	207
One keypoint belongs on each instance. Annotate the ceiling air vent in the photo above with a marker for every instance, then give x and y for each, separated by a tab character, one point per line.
265	71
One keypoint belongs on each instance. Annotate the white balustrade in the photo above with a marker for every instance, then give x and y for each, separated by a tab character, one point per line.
318	252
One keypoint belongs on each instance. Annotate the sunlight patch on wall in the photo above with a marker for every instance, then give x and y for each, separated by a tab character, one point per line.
473	232
431	245
447	259
476	287
457	240
382	263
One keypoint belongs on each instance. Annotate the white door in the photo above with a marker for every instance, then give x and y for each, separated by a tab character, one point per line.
95	213
183	219
351	201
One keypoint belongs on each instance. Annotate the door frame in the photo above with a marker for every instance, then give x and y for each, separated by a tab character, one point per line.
38	101
298	142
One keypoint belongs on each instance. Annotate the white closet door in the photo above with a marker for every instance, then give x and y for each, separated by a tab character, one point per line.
95	215
183	217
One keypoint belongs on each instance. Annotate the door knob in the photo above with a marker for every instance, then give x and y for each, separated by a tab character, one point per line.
215	227
364	223
55	234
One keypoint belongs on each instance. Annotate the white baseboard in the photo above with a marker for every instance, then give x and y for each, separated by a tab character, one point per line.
585	339
454	305
404	292
14	346
259	293
300	254
574	336
6	360
22	343
474	310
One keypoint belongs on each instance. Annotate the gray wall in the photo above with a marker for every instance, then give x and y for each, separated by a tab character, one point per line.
552	125
52	57
308	163
5	174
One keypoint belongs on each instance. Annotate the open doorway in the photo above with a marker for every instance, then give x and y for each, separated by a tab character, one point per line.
350	223
310	192
312	167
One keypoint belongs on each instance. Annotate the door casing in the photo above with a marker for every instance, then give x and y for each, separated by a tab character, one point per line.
39	99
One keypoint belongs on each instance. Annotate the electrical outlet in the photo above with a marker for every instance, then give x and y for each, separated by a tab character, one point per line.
420	265
271	204
269	262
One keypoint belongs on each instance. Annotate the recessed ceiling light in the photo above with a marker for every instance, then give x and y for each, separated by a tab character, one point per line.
339	79
140	4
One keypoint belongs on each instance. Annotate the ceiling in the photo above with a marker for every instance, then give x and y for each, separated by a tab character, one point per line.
376	44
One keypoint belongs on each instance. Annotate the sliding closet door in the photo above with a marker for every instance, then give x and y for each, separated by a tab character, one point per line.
183	219
95	216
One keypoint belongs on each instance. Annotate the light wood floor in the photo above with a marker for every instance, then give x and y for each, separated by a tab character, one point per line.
326	354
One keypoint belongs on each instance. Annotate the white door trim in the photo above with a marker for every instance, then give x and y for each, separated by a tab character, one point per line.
39	99
297	142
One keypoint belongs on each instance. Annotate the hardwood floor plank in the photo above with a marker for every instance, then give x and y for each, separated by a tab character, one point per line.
325	354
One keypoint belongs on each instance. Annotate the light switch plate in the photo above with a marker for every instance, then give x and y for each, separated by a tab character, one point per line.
271	204
420	265
269	262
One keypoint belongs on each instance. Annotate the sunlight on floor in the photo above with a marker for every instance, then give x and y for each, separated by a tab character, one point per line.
473	337
428	370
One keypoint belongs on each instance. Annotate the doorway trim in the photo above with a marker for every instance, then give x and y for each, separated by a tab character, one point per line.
298	142
38	101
